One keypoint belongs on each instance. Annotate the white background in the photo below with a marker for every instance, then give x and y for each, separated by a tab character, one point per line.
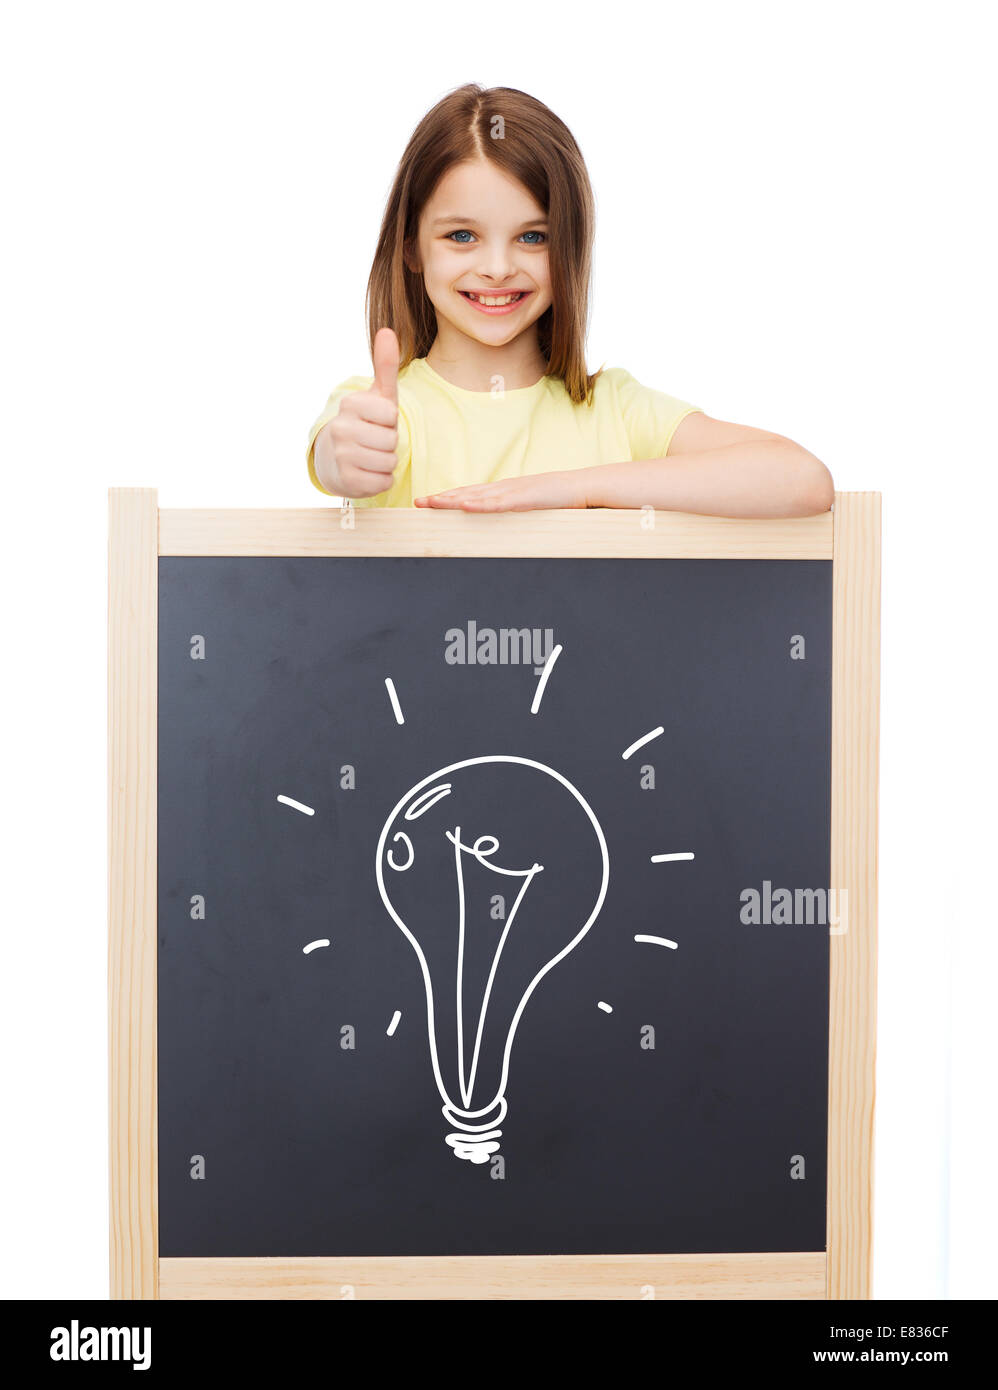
796	230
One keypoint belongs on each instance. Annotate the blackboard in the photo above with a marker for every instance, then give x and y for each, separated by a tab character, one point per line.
271	681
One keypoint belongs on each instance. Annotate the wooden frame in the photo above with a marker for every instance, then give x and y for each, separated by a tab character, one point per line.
138	534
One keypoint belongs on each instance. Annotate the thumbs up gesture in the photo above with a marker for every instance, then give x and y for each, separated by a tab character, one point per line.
386	355
360	440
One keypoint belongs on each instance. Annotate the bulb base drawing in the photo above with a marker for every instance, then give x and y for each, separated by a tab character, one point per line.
475	1139
476	1148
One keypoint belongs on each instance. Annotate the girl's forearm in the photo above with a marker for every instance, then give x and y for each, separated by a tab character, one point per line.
760	478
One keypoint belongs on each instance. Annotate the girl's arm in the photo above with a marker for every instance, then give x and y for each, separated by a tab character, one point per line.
720	468
712	466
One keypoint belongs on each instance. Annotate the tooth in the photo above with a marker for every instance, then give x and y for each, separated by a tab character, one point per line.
492	300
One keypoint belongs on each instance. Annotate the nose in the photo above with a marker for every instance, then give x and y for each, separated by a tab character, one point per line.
496	263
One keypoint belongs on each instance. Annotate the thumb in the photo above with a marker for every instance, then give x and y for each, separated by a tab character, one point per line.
386	355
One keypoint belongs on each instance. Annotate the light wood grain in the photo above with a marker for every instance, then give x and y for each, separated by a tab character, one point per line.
131	890
599	533
734	1276
853	955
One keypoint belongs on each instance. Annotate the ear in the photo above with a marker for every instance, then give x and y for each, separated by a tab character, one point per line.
410	258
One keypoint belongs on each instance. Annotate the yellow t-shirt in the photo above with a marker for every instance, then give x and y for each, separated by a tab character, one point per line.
448	437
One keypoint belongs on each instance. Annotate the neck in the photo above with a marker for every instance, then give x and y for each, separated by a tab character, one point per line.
473	366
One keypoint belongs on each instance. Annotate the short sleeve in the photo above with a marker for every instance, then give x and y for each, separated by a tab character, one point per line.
403	450
650	417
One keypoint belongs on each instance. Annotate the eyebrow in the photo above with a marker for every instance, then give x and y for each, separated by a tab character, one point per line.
473	222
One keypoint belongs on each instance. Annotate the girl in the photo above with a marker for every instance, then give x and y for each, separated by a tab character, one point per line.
477	308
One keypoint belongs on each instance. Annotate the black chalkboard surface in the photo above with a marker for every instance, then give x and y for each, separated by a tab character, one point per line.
660	1096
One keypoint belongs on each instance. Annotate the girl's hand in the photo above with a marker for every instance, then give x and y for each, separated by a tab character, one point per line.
357	449
534	491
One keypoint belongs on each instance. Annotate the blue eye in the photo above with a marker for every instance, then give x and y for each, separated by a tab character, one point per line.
463	233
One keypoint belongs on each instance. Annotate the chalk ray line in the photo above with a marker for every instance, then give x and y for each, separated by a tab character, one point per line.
390	687
535	704
640	742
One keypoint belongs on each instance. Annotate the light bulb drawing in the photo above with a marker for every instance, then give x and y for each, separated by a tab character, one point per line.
480	824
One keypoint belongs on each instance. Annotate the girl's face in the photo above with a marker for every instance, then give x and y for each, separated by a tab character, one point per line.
482	237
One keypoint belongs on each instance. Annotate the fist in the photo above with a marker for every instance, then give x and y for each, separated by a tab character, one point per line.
364	432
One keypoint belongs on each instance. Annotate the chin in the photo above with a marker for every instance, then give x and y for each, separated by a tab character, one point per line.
498	337
496	333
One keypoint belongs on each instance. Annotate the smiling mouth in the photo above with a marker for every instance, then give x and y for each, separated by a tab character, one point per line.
494	301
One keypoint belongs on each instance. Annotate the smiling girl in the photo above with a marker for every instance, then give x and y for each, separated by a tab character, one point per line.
477	307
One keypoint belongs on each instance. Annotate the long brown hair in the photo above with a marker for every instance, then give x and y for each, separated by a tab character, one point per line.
528	142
